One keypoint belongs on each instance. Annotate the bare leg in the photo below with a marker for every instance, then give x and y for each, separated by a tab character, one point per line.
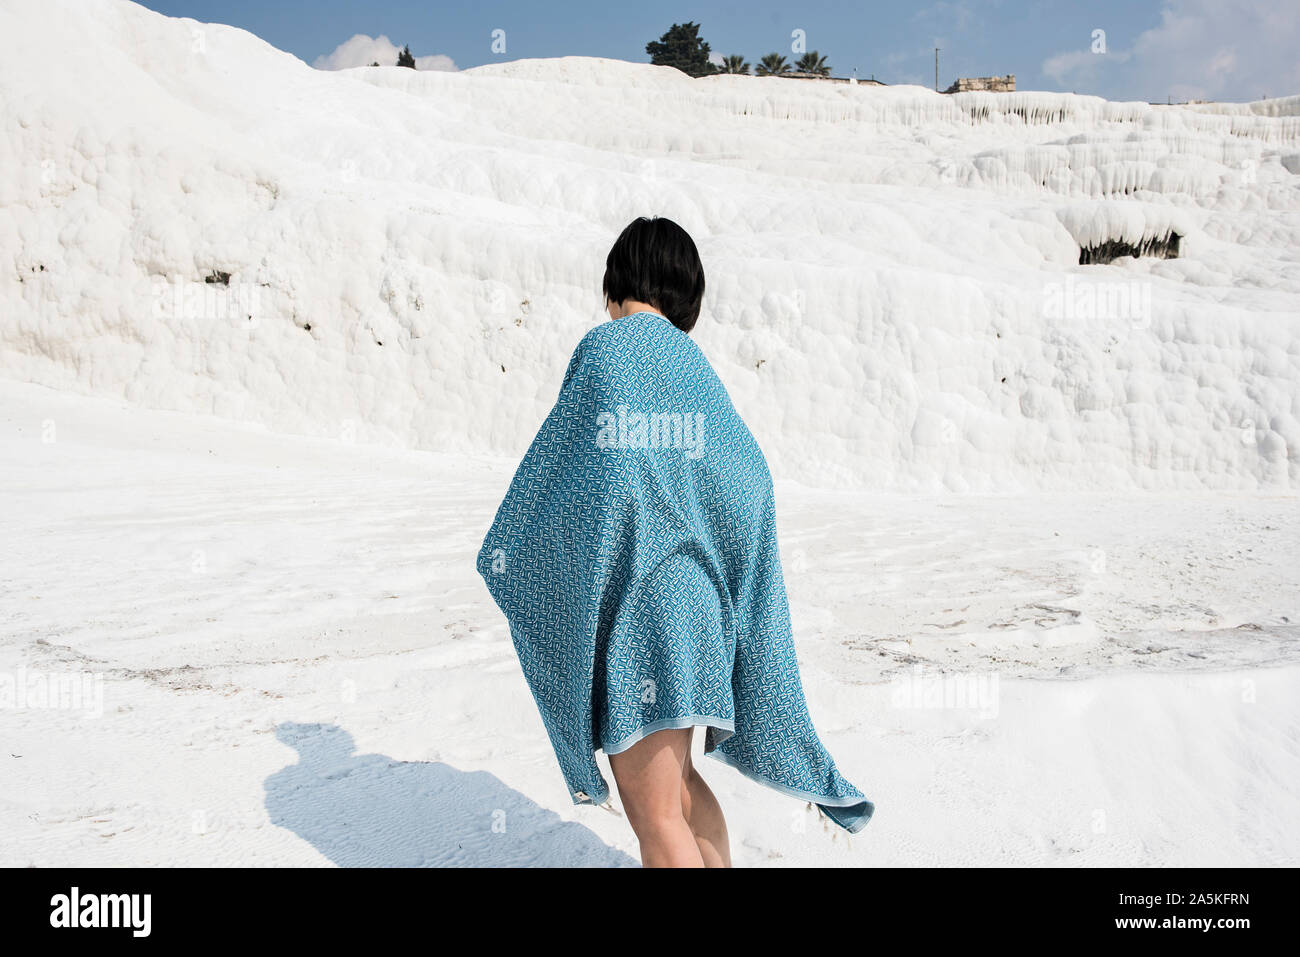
651	783
704	815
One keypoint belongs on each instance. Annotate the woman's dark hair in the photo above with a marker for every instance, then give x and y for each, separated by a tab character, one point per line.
655	261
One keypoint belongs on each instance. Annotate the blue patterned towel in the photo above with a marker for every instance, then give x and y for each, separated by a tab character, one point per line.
635	557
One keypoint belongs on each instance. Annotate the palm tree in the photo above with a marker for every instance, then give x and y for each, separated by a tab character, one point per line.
734	64
811	62
772	65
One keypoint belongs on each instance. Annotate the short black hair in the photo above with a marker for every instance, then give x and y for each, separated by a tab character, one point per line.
655	261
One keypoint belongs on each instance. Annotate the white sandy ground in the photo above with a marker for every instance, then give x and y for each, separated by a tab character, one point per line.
301	666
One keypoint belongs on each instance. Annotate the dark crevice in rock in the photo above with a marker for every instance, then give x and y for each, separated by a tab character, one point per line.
1161	247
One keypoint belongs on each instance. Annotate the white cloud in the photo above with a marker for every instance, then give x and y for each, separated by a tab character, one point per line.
362	50
1201	50
1083	68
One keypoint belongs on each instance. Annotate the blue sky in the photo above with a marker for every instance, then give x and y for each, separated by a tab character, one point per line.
1149	50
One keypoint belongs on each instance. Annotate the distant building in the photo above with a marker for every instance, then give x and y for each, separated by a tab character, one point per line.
991	84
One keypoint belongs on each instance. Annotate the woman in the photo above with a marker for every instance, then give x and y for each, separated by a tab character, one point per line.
635	557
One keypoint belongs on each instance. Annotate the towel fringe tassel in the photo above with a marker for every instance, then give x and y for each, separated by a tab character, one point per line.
826	826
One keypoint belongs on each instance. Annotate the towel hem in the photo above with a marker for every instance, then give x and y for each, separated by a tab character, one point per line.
685	721
819	799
